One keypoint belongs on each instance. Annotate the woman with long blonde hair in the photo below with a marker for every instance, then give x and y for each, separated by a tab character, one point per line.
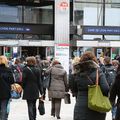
6	79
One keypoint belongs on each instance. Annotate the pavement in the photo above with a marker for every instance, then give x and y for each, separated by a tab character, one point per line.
18	111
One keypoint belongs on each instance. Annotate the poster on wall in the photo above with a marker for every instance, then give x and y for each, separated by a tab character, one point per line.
62	55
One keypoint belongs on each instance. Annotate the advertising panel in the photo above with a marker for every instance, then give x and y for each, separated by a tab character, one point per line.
62	55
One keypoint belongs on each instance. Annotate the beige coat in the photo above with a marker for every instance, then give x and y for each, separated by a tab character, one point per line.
58	85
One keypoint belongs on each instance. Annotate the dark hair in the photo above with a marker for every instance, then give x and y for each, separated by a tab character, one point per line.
118	69
107	60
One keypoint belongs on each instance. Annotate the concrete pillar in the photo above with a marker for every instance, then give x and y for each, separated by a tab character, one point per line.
62	23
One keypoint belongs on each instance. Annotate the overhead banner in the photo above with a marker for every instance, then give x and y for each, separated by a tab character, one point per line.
101	30
25	28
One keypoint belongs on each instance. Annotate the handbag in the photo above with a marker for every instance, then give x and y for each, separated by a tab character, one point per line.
96	100
67	99
41	107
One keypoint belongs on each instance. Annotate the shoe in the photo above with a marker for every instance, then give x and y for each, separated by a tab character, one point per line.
58	117
53	115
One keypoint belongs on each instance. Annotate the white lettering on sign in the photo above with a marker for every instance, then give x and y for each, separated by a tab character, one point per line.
104	44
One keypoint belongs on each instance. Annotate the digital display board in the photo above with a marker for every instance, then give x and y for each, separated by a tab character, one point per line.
22	28
101	30
27	2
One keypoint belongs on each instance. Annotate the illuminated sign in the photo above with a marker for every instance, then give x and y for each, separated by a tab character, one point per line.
19	28
101	30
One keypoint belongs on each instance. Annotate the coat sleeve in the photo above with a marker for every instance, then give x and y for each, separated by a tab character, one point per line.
40	84
114	89
73	84
103	83
66	82
11	78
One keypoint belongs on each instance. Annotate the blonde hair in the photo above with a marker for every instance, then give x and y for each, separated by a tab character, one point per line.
76	60
4	60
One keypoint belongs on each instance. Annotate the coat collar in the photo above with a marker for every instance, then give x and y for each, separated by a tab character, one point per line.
86	65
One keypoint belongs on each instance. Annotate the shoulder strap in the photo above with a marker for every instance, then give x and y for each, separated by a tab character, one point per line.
31	71
97	78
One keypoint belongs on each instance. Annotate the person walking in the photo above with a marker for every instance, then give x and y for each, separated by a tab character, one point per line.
31	86
72	83
115	94
58	87
6	80
86	70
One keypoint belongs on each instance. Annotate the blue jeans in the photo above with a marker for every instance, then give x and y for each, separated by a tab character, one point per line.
31	109
114	109
3	109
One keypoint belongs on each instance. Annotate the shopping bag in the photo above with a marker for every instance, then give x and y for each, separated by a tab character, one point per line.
96	100
41	107
67	99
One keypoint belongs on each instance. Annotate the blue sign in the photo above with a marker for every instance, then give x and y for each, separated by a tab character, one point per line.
18	29
24	28
101	30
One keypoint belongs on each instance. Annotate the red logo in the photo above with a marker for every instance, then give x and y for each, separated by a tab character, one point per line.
63	5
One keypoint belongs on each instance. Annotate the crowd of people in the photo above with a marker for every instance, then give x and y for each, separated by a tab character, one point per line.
32	73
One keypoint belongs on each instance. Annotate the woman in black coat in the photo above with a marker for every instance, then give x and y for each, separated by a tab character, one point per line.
115	93
31	86
86	70
6	80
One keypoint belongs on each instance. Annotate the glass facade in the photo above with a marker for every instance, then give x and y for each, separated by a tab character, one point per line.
97	13
26	14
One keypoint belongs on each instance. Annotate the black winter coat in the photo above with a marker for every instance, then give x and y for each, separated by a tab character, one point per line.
6	79
32	84
115	93
81	110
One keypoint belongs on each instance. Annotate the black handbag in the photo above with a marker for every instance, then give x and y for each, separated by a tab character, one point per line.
67	99
41	107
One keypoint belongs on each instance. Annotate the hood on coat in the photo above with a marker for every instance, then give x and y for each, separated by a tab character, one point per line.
85	66
58	69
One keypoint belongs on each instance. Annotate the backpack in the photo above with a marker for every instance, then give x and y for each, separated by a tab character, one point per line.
17	73
46	79
110	74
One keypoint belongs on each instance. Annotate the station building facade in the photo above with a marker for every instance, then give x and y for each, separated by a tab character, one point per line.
30	28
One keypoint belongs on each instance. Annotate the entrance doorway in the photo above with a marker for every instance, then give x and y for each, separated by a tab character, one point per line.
33	51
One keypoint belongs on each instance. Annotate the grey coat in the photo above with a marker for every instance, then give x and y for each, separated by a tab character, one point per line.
58	85
81	110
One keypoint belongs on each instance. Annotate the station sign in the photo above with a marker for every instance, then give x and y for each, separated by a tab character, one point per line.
101	30
24	28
